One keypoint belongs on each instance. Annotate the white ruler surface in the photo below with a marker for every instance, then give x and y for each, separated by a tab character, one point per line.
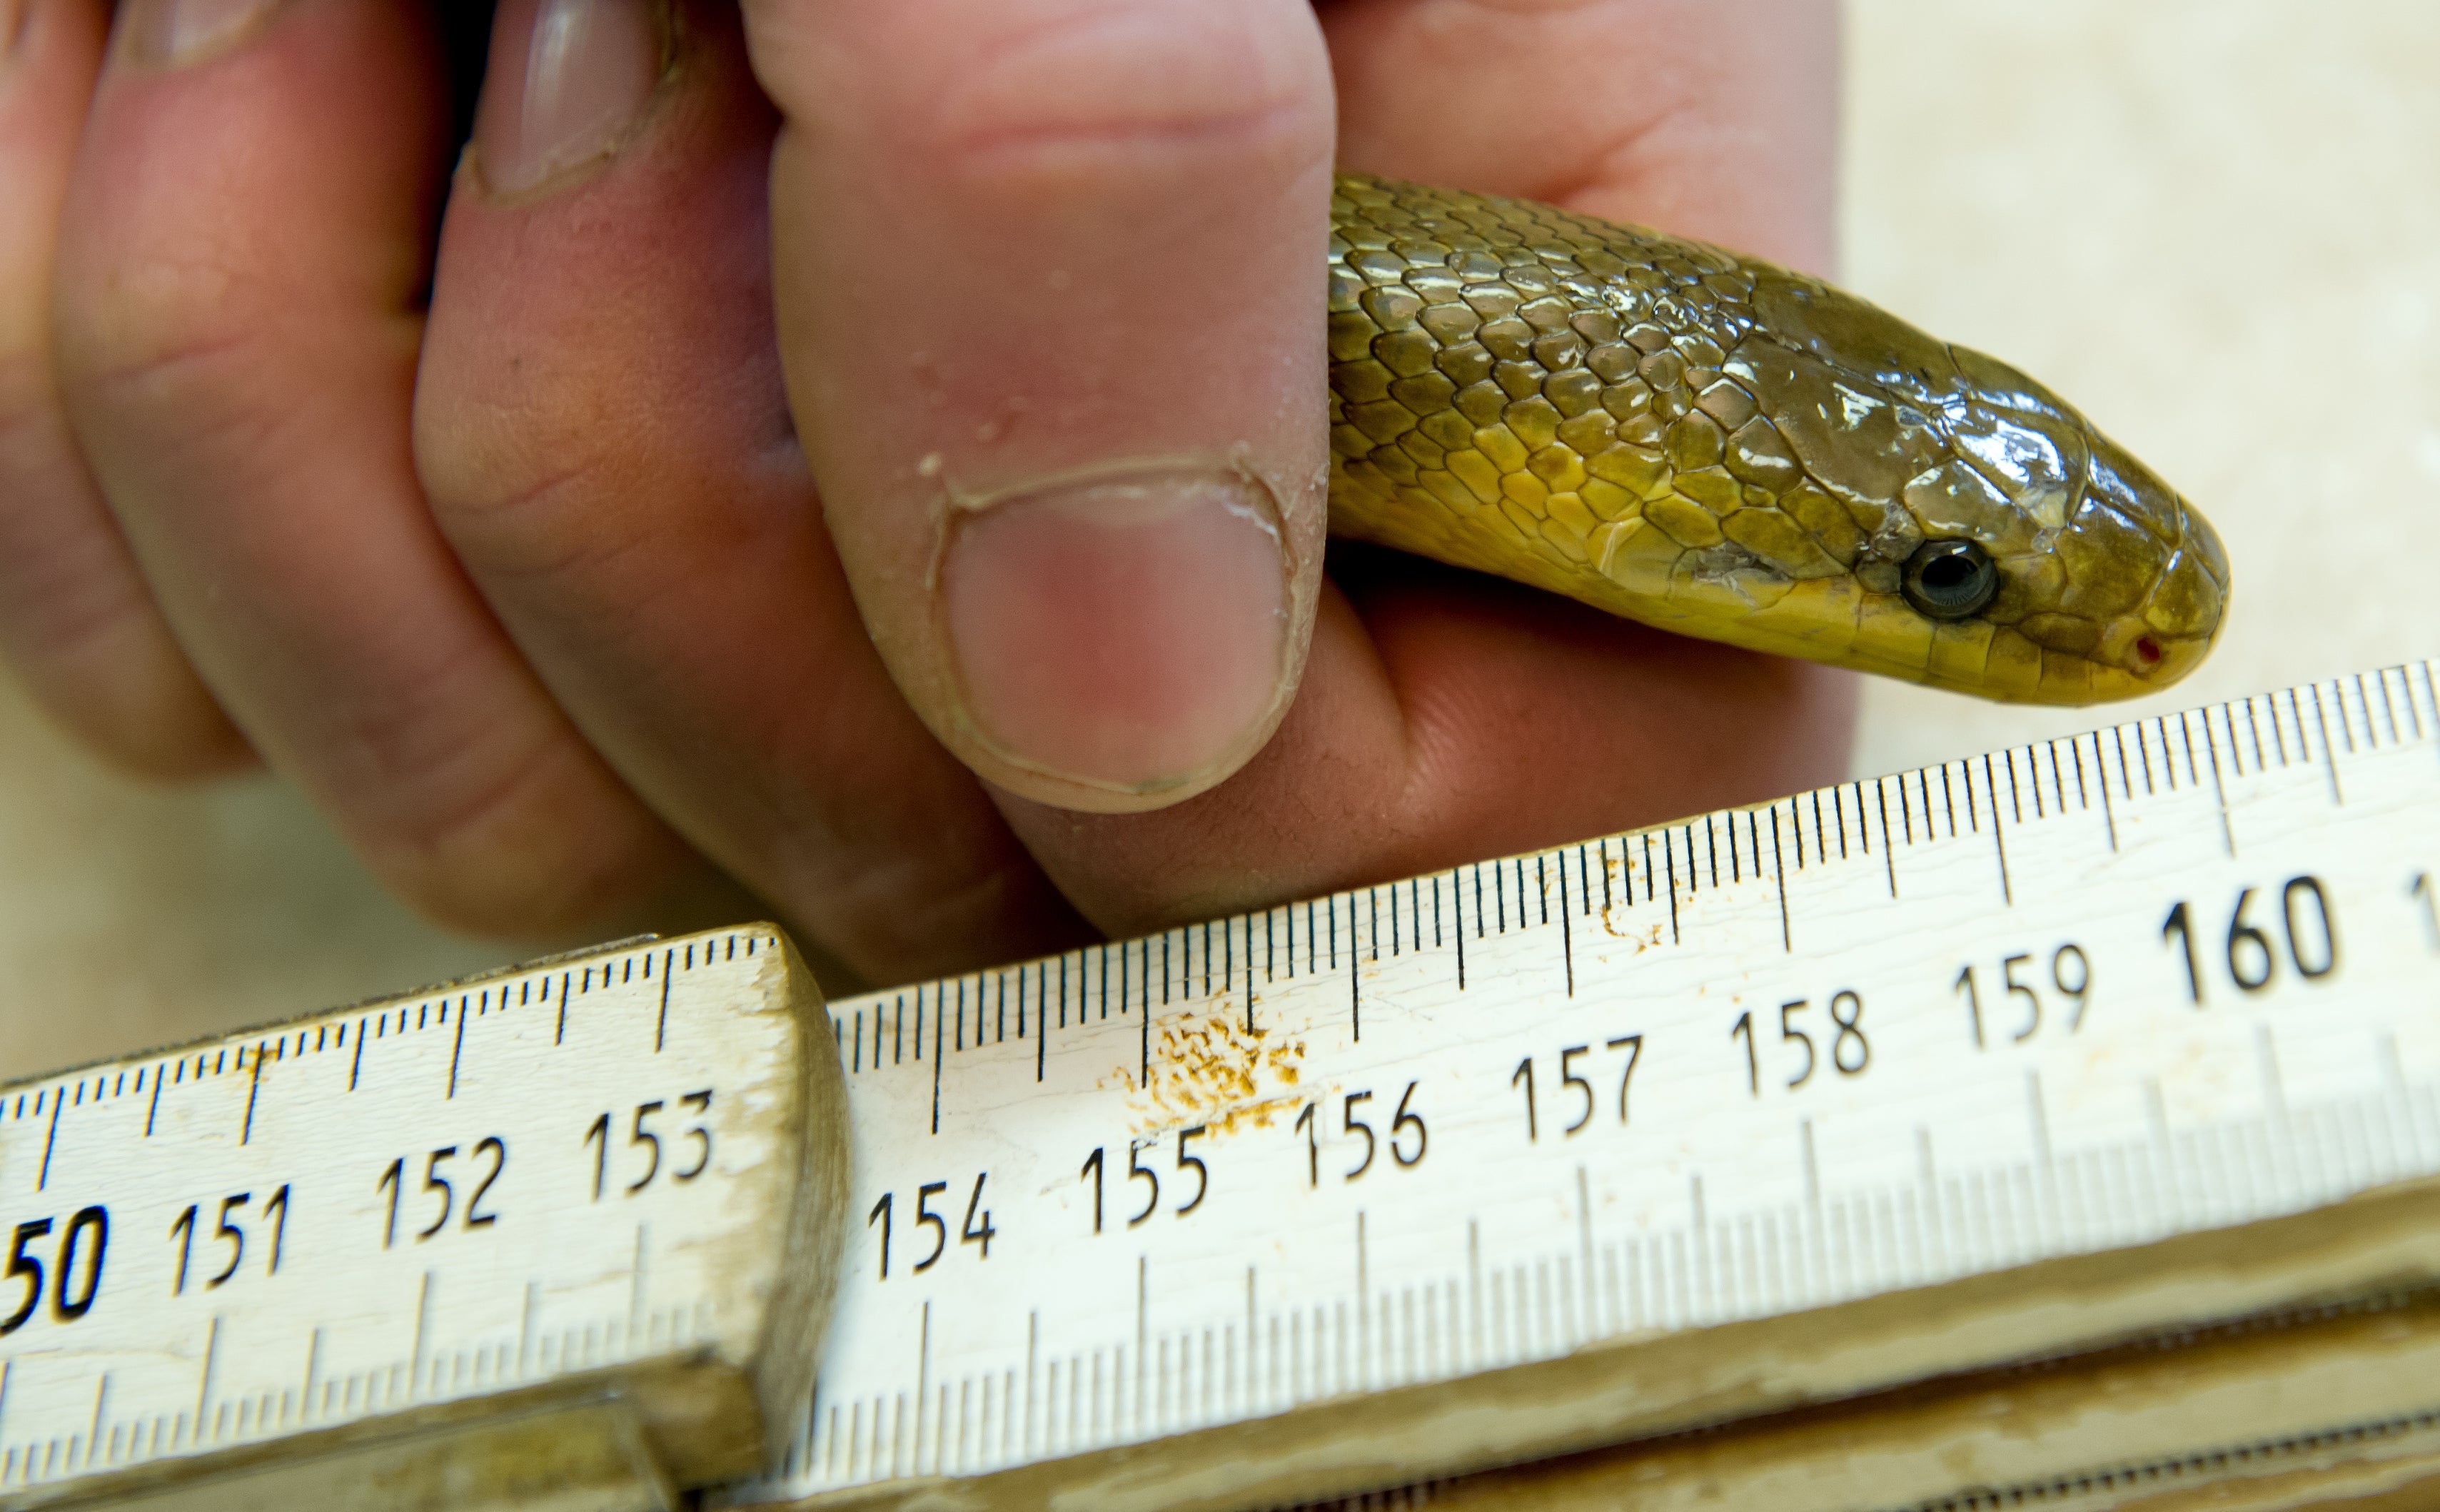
1116	1221
2172	976
574	1178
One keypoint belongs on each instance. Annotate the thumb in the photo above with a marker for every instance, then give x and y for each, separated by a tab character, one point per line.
1050	276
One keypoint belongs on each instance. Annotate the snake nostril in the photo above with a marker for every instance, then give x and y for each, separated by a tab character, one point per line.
2147	651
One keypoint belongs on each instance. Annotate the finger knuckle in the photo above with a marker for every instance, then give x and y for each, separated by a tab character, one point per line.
156	332
1118	93
529	838
516	516
76	620
536	472
108	678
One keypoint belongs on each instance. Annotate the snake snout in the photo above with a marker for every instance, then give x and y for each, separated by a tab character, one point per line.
2149	565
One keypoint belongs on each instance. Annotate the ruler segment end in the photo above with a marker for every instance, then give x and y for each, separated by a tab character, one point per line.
578	1229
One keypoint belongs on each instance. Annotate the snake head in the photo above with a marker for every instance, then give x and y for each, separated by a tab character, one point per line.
2010	549
1729	449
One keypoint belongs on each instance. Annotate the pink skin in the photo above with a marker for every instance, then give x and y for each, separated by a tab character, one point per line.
1445	717
1169	691
1018	241
1710	120
79	623
1012	242
238	321
610	452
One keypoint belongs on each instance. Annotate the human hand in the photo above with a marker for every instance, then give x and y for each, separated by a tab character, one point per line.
533	593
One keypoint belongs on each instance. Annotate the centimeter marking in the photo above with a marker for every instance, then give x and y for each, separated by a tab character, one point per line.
2174	975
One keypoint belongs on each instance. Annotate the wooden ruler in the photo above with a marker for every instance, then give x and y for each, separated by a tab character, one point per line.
569	1224
1904	1081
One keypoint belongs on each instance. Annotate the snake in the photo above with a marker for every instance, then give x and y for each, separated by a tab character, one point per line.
1721	447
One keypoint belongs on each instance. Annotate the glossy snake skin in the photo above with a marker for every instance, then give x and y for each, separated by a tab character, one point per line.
1720	447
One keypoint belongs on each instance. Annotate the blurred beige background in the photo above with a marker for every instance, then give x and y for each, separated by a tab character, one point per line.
2215	225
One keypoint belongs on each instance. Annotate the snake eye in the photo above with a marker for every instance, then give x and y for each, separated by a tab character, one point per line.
1949	579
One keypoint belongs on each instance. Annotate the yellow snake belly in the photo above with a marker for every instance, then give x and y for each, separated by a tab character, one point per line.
1721	447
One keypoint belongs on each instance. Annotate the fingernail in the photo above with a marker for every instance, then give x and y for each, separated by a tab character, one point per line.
590	66
1125	631
172	33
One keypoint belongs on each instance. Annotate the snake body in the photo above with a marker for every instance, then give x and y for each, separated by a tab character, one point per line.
1724	448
